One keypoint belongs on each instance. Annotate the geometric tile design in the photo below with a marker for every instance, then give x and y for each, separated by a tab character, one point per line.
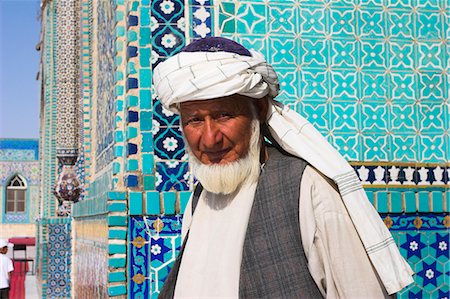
29	170
20	157
411	175
67	73
104	67
19	149
423	241
154	243
59	260
373	78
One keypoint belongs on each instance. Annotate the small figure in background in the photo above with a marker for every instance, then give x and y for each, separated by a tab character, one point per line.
6	267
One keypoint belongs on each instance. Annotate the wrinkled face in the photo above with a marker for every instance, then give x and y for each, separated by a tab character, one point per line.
219	130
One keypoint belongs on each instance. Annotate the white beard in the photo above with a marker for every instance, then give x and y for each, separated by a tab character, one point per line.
226	178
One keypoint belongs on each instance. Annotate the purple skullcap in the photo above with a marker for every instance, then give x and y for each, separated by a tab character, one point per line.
216	44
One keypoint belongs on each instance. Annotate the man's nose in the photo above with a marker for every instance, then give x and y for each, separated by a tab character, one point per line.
211	135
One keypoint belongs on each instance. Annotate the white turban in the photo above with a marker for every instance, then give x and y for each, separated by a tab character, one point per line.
190	76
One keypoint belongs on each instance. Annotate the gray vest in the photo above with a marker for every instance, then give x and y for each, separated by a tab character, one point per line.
273	264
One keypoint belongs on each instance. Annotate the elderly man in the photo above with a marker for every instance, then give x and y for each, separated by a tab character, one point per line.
277	213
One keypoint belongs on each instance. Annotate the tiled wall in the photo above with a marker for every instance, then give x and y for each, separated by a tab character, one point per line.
55	256
20	156
371	75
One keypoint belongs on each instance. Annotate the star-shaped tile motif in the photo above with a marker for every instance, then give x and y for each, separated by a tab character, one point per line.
413	246
429	273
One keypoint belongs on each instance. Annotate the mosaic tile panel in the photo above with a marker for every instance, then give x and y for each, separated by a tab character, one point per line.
404	175
422	239
105	96
29	170
59	260
19	149
373	79
154	243
67	73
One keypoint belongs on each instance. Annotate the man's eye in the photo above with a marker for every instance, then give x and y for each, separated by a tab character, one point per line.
193	121
224	116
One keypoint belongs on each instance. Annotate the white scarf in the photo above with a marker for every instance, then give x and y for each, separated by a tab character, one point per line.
190	76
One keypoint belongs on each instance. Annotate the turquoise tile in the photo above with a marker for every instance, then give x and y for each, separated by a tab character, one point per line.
145	16
370	196
135	203
152	205
132	101
149	182
184	199
424	202
119	76
146	123
117	290
147	142
117	248
382	202
145	78
145	37
131	132
131	68
437	199
170	199
116	167
119	90
117	220
132	36
117	234
116	276
119	105
116	195
118	136
145	97
118	151
120	31
119	15
117	207
447	201
132	165
410	202
148	165
117	262
144	57
396	202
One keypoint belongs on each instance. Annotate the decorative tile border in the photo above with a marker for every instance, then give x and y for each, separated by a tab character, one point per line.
59	260
19	149
402	174
106	12
154	243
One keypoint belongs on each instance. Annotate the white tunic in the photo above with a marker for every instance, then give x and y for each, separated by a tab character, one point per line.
6	266
336	257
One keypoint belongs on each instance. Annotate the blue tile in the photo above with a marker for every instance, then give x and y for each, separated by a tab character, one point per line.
133	116
132	83
132	51
133	20
131	181
132	148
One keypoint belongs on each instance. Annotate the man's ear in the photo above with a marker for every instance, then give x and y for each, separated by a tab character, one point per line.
262	107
